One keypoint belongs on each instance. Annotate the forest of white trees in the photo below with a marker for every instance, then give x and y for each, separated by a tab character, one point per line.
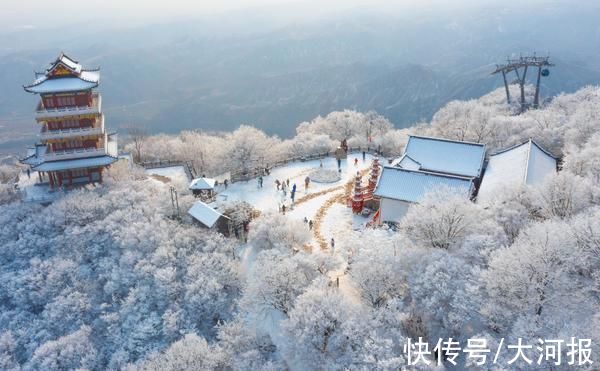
105	278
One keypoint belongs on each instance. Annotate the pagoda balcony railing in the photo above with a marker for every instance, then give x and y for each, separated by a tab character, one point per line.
96	129
48	113
71	154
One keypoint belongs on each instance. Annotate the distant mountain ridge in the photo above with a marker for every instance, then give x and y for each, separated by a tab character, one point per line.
178	76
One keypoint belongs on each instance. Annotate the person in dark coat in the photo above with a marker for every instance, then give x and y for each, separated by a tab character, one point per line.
364	155
310	225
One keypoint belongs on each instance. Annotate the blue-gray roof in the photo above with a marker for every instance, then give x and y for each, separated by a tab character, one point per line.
412	185
446	156
75	164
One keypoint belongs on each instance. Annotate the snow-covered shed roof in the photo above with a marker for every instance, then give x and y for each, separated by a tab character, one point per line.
523	164
204	214
411	185
446	156
200	184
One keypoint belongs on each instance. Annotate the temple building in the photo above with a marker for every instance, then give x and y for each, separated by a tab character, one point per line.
426	165
74	145
525	164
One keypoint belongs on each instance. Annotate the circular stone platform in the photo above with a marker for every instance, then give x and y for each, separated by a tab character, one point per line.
324	176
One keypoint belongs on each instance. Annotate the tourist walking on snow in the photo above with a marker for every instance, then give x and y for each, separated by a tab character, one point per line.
321	164
355	161
283	209
306	182
310	225
277	183
260	182
364	155
332	244
288	182
305	220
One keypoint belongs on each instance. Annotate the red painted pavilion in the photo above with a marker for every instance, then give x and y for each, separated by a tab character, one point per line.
74	146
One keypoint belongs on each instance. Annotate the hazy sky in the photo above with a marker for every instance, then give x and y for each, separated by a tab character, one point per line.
24	14
39	13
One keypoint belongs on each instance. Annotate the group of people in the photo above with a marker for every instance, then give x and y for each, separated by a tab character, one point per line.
309	223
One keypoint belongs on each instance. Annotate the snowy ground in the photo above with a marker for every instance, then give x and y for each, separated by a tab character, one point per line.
171	174
308	202
324	203
33	191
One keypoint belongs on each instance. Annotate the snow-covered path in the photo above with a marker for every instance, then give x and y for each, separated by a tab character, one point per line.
308	202
324	204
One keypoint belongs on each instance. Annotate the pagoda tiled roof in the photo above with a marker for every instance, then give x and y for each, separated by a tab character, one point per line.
79	163
412	185
79	79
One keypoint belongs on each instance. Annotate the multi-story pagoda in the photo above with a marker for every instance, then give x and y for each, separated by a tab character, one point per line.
74	146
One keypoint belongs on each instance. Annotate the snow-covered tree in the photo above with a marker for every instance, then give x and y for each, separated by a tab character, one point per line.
535	277
564	195
190	353
73	351
378	276
446	219
585	162
326	330
8	359
440	287
249	148
275	231
276	282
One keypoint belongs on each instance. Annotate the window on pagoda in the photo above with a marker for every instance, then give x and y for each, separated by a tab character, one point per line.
65	101
69	124
48	102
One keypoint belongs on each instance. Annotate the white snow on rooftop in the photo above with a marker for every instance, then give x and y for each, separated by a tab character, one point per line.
524	164
409	185
204	214
199	184
75	164
70	63
406	162
63	84
446	156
